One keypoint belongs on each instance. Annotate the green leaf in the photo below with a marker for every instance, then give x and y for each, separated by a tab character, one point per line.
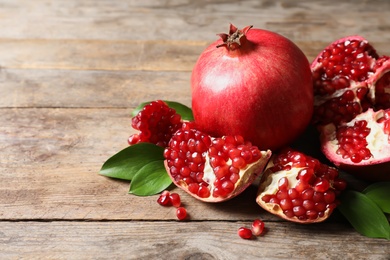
379	193
126	163
184	111
150	179
364	215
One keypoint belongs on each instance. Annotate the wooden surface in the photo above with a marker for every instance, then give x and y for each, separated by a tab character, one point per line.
70	74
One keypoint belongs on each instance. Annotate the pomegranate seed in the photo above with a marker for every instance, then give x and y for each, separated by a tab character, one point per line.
164	199
245	233
181	213
257	227
283	183
175	200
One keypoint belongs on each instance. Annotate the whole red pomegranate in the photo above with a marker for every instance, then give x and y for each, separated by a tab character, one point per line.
254	83
212	169
352	107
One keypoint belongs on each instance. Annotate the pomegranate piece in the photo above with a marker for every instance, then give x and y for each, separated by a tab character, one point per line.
253	83
157	122
299	188
361	146
257	227
245	233
352	98
212	169
181	213
349	77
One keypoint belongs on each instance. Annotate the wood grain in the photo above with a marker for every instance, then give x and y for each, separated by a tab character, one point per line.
43	88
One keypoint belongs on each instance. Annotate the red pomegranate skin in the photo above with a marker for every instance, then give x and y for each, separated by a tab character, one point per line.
261	90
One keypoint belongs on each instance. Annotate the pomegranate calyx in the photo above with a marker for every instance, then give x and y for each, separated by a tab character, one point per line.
235	39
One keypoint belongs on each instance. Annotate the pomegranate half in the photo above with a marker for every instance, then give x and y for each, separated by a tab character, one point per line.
254	83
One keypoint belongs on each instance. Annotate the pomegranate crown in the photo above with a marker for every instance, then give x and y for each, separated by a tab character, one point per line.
235	39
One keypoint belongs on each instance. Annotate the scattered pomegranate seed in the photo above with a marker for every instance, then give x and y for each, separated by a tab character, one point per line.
181	213
164	199
245	233
175	200
257	227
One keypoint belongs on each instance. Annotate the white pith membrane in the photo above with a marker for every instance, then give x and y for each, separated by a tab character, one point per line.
247	177
269	186
378	140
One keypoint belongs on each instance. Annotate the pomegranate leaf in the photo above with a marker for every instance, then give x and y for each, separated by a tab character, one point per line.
126	163
364	215
379	193
150	179
184	111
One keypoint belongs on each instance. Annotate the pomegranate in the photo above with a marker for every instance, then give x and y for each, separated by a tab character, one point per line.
157	122
299	188
361	146
351	82
254	83
212	169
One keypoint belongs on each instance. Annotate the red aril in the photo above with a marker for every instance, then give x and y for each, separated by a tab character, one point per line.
352	93
164	199
175	200
181	213
212	169
299	188
253	83
257	227
244	233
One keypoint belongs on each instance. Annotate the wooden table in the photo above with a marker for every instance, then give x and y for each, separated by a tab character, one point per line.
71	73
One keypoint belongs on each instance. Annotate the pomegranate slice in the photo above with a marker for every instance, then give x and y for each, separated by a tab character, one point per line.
361	146
157	122
299	188
349	77
212	169
351	82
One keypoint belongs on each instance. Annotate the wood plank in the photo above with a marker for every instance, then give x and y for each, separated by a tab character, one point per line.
121	55
112	89
191	20
179	240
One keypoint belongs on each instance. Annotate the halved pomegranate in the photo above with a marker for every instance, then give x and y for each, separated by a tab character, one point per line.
360	146
299	188
212	169
351	81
